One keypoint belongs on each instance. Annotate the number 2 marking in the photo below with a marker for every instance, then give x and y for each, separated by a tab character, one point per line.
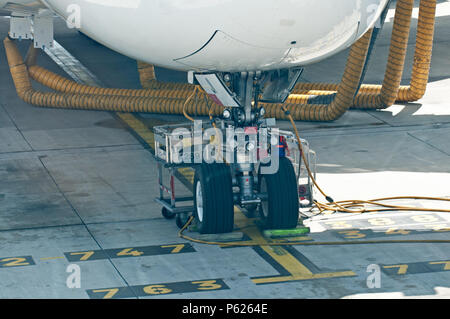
14	262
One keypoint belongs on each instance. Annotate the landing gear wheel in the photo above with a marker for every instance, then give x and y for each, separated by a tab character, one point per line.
166	214
280	211
213	199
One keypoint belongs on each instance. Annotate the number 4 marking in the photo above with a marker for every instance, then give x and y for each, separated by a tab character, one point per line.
130	252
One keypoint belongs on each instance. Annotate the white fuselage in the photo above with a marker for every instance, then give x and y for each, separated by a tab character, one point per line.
223	35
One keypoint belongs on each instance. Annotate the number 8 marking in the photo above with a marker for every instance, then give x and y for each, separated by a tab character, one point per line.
424	218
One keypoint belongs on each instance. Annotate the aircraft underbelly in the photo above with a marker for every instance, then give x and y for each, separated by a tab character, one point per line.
225	35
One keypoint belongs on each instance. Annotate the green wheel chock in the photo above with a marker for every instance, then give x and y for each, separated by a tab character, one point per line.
280	233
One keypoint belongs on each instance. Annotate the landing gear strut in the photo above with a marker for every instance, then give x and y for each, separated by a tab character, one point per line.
249	166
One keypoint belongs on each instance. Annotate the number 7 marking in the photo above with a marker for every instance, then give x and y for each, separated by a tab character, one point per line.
402	269
446	263
176	248
86	255
110	292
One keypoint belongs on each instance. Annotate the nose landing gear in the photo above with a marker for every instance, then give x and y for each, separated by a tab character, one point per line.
240	179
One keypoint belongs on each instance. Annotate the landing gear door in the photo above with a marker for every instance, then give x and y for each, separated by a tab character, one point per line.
217	90
280	84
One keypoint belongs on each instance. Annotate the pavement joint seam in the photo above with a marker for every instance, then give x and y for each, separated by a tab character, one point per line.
17	128
430	145
84	224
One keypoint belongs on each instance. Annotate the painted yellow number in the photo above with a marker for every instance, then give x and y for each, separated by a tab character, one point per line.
352	234
109	292
14	262
381	221
424	218
86	255
176	248
207	285
439	227
339	225
396	231
445	263
402	269
157	290
130	252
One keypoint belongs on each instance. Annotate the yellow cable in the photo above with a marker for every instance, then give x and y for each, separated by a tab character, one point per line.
342	206
323	243
186	103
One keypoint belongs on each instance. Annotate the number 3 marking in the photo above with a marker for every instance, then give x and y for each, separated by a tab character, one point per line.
207	285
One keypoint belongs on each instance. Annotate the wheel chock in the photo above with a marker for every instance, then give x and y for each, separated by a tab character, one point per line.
286	233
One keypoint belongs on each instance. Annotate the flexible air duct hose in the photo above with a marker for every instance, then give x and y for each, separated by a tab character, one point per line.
116	103
62	84
370	96
311	101
345	94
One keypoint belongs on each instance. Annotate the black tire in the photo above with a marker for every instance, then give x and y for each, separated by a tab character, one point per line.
217	209
166	214
281	209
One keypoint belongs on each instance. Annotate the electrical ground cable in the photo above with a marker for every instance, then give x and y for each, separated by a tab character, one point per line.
324	243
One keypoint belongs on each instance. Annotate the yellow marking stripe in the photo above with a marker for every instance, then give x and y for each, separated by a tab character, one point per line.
52	258
280	279
140	128
279	254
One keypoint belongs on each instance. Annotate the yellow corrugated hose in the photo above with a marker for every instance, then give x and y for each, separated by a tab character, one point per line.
90	101
170	98
382	96
345	94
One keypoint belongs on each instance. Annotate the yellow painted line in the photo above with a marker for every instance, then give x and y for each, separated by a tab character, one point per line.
278	253
140	128
148	136
297	270
295	239
281	279
52	258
